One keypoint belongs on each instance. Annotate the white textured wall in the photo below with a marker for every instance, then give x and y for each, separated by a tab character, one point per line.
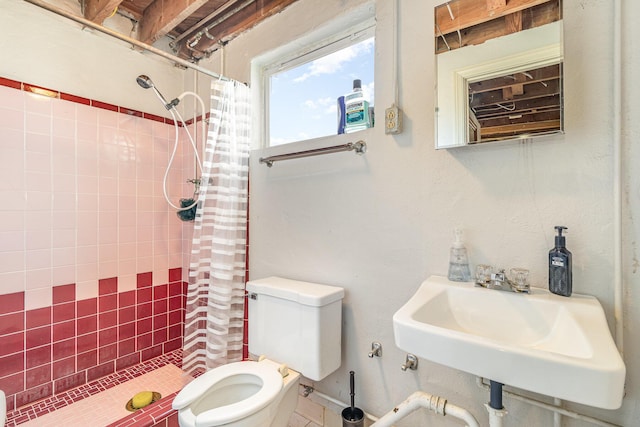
41	48
379	224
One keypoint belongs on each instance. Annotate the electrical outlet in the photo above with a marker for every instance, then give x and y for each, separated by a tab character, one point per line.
393	120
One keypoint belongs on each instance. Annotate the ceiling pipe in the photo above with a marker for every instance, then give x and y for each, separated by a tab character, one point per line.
134	42
202	22
193	41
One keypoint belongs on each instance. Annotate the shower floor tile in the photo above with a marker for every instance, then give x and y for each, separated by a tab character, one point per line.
56	402
109	406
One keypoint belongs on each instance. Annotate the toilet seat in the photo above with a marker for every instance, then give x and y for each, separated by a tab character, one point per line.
263	374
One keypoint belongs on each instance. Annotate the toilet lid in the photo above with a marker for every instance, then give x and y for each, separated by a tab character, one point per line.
264	373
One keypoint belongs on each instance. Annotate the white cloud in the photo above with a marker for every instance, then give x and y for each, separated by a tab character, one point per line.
318	103
326	101
368	92
332	63
331	109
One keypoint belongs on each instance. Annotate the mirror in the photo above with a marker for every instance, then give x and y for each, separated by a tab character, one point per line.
499	70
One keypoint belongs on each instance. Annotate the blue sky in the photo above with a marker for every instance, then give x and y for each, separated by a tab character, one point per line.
303	100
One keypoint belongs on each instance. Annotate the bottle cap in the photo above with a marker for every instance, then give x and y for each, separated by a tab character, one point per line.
457	243
560	239
357	84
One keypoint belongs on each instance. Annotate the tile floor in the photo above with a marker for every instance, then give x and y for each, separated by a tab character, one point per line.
109	406
102	402
62	400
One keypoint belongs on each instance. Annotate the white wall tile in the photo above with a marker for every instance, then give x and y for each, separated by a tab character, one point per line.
12	282
63	256
64	238
64	201
145	264
87	254
11	220
127	282
12	241
160	276
12	261
63	110
87	271
36	279
108	269
64	220
37	298
38	239
38	259
63	275
86	289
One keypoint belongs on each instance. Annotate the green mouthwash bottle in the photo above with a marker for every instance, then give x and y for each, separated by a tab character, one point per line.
356	109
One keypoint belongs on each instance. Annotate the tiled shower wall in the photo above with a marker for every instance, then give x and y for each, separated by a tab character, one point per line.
90	253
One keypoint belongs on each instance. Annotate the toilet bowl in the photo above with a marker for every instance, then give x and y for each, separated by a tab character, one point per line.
240	394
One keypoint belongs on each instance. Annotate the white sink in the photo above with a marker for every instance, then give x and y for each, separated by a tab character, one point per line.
540	342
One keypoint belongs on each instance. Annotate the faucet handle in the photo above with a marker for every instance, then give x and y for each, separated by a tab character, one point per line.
483	274
520	279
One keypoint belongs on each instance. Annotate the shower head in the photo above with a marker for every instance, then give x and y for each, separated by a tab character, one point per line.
144	82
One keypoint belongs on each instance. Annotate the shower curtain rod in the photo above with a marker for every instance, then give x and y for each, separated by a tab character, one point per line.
139	44
359	147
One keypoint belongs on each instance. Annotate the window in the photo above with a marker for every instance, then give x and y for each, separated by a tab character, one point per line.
301	93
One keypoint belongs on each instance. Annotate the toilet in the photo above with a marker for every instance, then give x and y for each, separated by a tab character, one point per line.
295	328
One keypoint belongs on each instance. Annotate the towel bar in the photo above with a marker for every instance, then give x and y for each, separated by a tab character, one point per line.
359	147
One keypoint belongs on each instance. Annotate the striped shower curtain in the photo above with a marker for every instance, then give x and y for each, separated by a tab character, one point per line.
215	295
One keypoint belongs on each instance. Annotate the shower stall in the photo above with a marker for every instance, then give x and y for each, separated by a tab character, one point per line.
94	260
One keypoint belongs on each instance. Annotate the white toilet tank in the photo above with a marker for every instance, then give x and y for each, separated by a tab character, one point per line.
296	323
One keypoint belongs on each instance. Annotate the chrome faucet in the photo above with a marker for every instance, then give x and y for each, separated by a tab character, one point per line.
486	278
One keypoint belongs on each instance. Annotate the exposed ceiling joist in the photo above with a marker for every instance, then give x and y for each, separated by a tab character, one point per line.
199	27
240	17
99	10
467	13
162	16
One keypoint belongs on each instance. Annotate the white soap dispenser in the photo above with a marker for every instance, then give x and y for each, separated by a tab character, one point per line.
458	260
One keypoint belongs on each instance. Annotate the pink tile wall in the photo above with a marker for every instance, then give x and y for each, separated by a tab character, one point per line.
90	252
82	194
51	349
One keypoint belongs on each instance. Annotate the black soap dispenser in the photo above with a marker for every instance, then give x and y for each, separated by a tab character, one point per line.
560	266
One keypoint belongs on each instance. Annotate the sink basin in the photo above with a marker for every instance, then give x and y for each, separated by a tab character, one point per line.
540	342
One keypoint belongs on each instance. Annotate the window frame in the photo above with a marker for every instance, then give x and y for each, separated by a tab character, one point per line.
293	55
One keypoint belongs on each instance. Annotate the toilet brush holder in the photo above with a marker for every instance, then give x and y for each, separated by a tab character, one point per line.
352	416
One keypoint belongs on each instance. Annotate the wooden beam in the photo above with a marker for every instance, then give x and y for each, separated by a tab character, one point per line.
162	16
493	28
519	128
532	91
513	22
549	72
225	31
496	4
468	13
525	117
99	10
